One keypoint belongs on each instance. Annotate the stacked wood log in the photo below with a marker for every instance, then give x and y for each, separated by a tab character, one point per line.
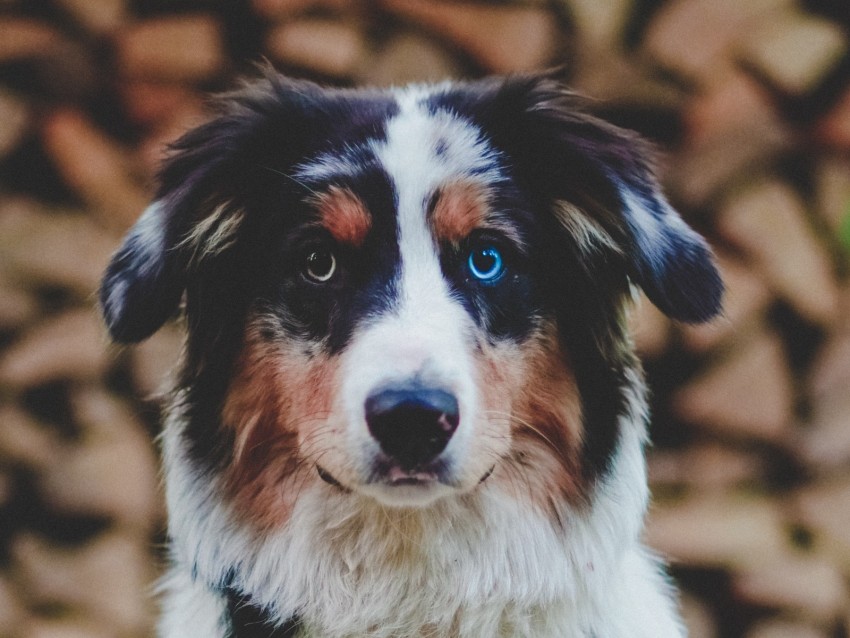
749	103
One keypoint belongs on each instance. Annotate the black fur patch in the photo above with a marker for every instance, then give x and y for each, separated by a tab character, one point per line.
509	308
250	621
365	278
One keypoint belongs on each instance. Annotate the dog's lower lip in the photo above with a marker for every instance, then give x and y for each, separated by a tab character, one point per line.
398	476
410	480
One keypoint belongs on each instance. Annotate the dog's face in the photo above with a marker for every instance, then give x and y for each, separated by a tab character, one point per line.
405	294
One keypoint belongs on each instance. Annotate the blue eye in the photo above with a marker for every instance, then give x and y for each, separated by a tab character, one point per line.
486	264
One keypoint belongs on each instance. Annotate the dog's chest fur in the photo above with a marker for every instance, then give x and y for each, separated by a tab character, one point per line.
483	566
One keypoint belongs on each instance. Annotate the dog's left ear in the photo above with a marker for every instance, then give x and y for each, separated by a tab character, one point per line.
668	260
564	154
671	262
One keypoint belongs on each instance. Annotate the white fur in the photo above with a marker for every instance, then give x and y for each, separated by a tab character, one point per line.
427	336
588	233
325	168
653	233
215	232
149	229
190	609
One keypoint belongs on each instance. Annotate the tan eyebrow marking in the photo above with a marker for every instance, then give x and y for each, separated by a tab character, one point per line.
344	215
457	209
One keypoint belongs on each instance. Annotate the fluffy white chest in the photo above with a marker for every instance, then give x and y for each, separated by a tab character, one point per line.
485	565
396	586
479	566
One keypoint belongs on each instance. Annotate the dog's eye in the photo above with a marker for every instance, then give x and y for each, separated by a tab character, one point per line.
319	265
486	263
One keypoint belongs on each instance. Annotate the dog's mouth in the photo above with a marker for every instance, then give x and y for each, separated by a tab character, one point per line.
487	475
396	476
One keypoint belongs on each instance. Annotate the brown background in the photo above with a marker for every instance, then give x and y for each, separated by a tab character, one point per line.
749	100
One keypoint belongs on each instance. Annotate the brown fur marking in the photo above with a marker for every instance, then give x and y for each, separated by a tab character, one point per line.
344	215
276	401
546	428
549	425
459	208
280	410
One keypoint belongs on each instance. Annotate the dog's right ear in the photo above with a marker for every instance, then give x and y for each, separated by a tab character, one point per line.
143	284
209	169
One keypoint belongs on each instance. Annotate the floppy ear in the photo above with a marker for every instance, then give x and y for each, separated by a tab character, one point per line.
564	155
211	167
143	283
145	280
667	259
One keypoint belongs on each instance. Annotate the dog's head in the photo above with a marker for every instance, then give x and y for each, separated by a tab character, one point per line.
405	293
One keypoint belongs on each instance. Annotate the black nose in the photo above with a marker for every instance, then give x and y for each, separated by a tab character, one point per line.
412	425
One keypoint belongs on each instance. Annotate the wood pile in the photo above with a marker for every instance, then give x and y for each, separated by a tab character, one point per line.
750	104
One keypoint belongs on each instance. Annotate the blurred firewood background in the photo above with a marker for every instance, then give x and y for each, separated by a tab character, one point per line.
749	103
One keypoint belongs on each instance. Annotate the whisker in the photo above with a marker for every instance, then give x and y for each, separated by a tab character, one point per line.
291	178
512	418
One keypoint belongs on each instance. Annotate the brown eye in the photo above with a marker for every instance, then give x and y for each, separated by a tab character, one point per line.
320	265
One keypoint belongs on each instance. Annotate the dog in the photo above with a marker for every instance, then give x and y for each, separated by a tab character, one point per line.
408	404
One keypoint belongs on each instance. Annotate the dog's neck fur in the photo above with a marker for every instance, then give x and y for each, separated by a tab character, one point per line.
482	565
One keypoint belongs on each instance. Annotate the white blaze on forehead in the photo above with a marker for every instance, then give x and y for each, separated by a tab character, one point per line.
422	151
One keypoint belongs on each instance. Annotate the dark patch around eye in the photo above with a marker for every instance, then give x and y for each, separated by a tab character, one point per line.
363	283
509	306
